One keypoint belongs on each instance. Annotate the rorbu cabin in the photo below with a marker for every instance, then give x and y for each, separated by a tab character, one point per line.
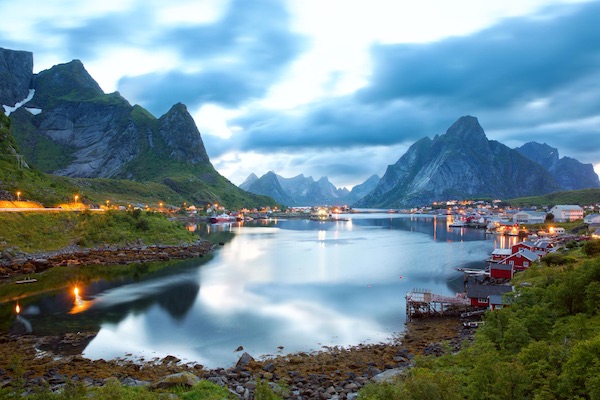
479	295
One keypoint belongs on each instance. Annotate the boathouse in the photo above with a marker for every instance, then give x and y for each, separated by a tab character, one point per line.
501	271
479	295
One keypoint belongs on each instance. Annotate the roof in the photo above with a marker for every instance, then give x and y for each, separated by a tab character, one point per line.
502	252
568	207
533	213
497	299
484	291
528	254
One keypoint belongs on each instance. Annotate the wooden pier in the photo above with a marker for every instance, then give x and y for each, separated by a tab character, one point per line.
424	303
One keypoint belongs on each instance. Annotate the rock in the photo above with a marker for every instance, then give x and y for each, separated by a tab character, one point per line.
240	348
270	367
186	379
134	382
244	360
387	375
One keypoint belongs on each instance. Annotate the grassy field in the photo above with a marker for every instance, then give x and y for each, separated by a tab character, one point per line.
36	232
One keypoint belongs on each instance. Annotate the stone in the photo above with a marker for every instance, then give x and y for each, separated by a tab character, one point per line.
186	379
244	360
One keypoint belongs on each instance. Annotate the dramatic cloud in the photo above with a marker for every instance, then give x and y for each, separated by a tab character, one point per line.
337	88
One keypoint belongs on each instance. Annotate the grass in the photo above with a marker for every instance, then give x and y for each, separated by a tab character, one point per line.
45	231
203	390
581	197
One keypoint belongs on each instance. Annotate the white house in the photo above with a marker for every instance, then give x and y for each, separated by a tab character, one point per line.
529	217
592	219
566	213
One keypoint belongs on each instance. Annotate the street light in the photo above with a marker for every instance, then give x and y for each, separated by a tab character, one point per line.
18	196
76	197
107	203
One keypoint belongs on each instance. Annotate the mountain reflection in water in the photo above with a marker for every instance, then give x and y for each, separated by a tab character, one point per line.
299	284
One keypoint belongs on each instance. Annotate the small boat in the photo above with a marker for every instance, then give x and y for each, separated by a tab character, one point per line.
458	224
27	280
222	218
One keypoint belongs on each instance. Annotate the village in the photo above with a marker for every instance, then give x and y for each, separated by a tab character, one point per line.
485	289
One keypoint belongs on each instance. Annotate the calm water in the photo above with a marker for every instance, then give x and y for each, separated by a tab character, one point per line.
295	284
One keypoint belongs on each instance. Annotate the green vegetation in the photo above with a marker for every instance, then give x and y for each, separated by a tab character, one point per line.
203	390
44	231
581	197
161	180
545	345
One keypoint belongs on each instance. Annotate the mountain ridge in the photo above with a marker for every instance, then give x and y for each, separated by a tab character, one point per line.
79	131
460	164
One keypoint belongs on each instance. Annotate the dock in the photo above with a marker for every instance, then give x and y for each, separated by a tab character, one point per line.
424	303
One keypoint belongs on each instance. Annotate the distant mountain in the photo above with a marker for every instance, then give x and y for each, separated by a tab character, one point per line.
70	127
269	185
460	164
361	190
301	190
249	181
568	172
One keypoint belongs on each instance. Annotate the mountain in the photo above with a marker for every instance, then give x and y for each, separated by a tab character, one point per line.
361	190
568	172
16	72
269	185
305	191
460	164
249	181
70	127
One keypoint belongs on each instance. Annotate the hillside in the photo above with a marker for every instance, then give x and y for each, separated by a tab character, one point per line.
583	197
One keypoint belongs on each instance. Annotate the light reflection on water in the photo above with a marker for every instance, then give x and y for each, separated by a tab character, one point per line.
299	284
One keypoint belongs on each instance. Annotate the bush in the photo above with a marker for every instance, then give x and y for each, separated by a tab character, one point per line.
592	248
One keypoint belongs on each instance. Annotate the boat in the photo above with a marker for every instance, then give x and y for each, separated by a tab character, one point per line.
458	224
215	219
27	280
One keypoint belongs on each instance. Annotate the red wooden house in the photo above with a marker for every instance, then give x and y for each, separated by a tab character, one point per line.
501	271
480	294
521	260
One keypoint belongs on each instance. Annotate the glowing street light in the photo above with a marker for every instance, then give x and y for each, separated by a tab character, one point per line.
107	203
18	196
76	198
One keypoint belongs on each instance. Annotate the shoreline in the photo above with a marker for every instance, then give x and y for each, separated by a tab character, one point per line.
24	264
57	360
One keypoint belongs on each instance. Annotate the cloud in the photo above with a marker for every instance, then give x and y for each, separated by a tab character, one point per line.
233	60
498	74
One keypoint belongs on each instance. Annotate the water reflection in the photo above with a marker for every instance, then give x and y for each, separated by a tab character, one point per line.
300	284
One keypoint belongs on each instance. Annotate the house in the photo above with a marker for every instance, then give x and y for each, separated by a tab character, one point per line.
596	234
497	302
480	294
500	254
501	271
521	260
592	219
543	246
566	213
529	217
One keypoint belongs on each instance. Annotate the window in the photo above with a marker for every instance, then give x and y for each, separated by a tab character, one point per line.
525	263
482	300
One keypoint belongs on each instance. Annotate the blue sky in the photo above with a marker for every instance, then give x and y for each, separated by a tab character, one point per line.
331	87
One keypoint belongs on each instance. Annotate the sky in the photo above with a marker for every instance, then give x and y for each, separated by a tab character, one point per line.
336	88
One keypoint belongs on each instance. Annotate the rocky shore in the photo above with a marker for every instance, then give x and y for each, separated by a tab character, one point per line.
20	263
333	373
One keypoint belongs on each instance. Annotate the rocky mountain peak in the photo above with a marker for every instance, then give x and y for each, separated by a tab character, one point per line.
68	81
467	129
178	130
16	72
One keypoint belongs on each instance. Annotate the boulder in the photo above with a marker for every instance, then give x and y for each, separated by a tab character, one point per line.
186	379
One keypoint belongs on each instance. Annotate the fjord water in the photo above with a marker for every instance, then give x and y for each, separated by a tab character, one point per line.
277	286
